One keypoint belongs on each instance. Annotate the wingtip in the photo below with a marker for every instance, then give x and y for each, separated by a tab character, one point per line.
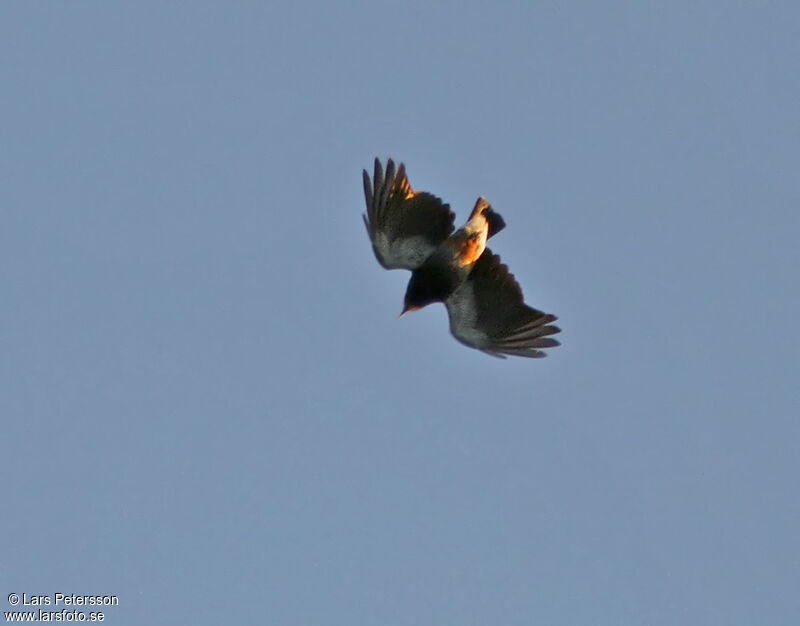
369	192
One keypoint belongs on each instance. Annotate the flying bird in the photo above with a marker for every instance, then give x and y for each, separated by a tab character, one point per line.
413	230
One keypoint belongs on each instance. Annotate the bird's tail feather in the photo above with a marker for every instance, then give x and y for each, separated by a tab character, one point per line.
495	222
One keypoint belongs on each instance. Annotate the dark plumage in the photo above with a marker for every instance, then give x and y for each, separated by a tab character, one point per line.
414	230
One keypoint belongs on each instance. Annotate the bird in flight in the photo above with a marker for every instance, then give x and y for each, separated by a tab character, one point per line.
413	230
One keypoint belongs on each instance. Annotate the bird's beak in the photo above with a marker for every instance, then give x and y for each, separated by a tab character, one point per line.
408	309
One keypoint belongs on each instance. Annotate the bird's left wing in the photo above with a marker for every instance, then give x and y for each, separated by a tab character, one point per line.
405	226
487	312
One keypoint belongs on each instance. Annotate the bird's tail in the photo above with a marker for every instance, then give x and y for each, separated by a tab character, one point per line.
493	219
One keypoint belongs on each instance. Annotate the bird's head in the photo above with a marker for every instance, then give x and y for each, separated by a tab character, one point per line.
424	288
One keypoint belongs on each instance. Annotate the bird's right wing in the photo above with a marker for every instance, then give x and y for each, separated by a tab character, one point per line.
405	226
487	312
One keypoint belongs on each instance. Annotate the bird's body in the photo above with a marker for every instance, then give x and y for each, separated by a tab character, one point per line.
449	265
414	230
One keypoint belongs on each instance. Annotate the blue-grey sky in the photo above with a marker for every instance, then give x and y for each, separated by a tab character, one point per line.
209	407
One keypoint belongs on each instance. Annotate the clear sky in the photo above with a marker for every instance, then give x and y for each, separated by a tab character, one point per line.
209	407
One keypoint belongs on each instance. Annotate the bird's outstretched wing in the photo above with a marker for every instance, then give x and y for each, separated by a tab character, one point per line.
404	225
487	312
